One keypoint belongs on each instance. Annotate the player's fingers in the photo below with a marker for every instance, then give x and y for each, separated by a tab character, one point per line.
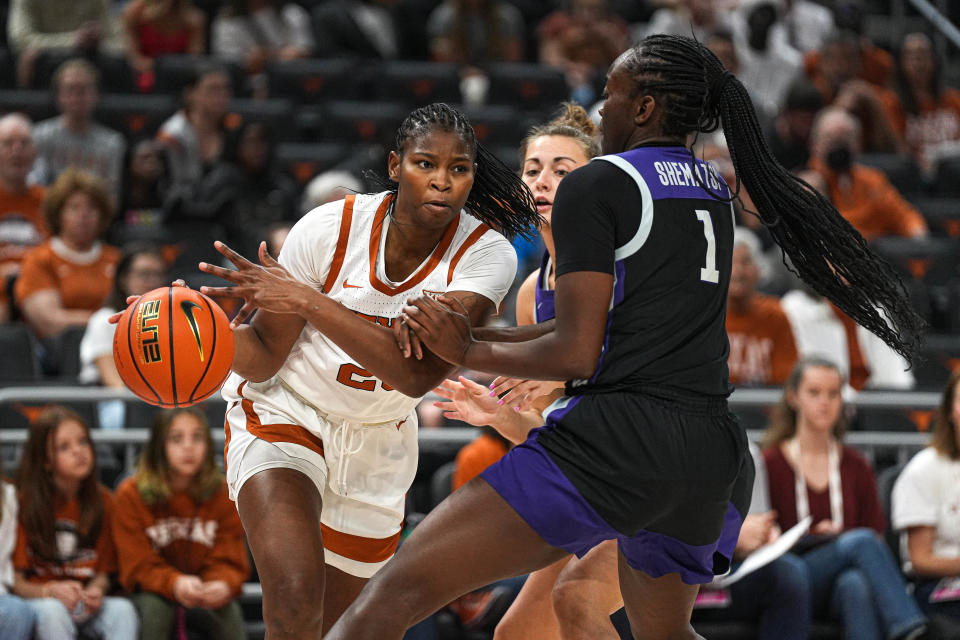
472	386
417	346
514	397
455	305
421	331
401	334
232	255
179	282
453	415
443	393
506	384
227	274
131	300
266	259
245	312
115	318
225	292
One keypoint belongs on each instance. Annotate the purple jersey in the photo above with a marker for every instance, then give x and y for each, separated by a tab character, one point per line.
543	309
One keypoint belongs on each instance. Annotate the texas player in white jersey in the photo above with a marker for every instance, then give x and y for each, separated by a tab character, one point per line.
321	424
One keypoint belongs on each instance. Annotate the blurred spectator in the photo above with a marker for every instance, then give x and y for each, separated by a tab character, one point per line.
154	28
840	75
696	18
74	139
480	453
474	32
762	349
583	40
767	63
926	510
35	26
21	222
789	135
200	567
143	193
776	596
807	24
64	280
720	42
327	187
362	28
246	193
16	616
927	115
254	32
194	136
854	578
140	270
276	235
862	194
863	359
65	551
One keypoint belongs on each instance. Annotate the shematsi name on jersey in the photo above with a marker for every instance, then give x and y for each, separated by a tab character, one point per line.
339	249
680	174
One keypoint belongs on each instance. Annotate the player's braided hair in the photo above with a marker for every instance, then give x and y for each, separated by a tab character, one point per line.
498	197
698	94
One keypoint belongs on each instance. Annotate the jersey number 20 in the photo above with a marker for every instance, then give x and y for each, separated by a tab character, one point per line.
709	273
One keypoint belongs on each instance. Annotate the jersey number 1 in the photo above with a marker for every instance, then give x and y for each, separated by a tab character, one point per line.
709	273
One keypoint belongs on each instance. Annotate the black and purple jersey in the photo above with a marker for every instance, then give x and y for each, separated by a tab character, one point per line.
543	308
644	217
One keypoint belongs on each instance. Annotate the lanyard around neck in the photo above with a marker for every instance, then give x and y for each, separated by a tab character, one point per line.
834	482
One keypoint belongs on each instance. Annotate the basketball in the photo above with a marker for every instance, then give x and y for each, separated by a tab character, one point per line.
173	347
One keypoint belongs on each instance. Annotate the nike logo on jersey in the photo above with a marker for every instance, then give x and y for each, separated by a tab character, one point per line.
187	307
347	285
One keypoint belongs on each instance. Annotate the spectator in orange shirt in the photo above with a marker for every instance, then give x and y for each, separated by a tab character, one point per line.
927	115
863	195
179	538
67	278
65	554
21	224
479	454
762	349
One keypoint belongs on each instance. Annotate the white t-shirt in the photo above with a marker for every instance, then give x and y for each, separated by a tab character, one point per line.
8	536
927	493
97	341
345	260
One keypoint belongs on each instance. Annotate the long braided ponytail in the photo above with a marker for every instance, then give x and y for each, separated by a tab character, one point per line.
699	95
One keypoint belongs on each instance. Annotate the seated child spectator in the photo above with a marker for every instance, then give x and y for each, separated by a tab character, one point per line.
853	575
64	280
179	538
65	552
926	510
762	349
141	213
16	616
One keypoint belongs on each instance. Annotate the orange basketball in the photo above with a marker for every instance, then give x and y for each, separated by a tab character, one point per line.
173	347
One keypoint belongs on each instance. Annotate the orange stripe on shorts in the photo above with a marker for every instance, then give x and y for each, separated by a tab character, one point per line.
290	433
358	548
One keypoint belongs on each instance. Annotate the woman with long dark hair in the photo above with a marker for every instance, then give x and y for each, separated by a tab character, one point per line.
642	448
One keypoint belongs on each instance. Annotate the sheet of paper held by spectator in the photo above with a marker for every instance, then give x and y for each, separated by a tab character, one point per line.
766	554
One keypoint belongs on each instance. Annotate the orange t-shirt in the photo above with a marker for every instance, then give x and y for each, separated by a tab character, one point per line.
762	348
476	456
937	122
81	286
21	225
876	67
156	544
74	563
871	204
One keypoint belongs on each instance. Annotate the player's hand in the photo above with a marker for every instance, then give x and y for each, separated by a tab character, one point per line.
520	394
467	401
188	591
115	318
215	594
444	331
267	285
407	341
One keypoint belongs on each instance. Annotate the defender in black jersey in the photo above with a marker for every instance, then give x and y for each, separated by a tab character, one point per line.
642	448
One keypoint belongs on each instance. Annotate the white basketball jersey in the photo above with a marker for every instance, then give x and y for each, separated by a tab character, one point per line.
338	248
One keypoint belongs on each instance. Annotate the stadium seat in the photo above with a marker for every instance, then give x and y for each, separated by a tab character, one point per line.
20	364
531	87
939	358
135	115
7	67
368	122
276	113
941	213
497	125
948	178
508	154
441	483
415	83
173	72
304	160
914	257
885	481
901	170
311	81
38	105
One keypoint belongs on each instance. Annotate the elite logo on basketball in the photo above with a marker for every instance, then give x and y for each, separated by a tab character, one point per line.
147	334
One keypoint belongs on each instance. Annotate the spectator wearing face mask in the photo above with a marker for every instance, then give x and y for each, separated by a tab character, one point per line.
863	195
